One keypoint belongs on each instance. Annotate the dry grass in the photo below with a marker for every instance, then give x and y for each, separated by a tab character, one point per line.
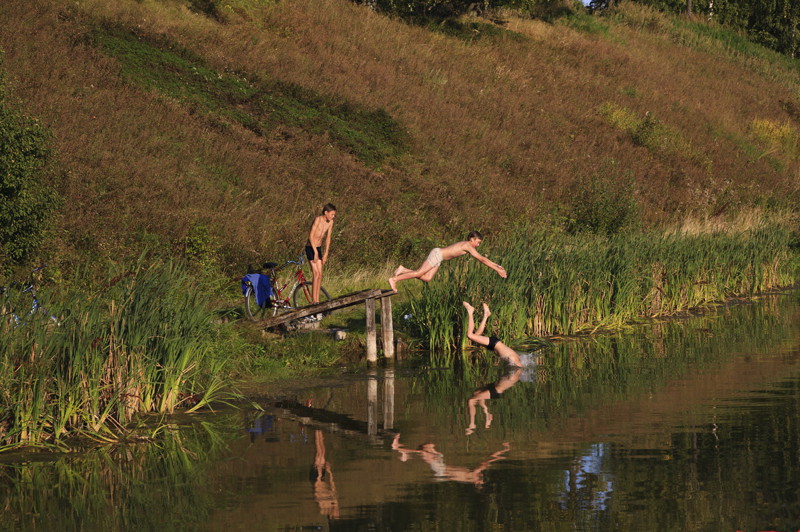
500	127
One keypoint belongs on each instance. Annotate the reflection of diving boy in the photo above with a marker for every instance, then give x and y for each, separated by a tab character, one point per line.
442	471
490	391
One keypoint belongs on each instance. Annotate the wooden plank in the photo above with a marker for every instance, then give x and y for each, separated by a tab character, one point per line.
325	306
372	335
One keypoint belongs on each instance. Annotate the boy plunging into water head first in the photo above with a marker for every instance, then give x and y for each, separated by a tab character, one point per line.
508	355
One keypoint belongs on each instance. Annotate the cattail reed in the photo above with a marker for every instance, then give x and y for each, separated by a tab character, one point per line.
563	285
142	342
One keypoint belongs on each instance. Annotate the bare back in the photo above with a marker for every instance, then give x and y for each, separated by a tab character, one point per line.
456	250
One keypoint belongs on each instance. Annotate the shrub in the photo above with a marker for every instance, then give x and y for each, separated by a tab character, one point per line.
605	204
25	202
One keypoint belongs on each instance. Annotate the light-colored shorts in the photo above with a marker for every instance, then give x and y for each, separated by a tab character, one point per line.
435	257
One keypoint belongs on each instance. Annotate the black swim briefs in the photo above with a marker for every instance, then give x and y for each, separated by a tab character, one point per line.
493	393
492	342
310	252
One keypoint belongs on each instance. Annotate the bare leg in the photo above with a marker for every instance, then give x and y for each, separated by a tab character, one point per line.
478	339
470	317
419	273
400	269
486	314
316	280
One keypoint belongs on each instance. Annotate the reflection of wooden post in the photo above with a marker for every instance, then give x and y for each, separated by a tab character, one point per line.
372	404
372	337
388	399
387	332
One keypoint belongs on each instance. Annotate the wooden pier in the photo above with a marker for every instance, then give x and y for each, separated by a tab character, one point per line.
367	297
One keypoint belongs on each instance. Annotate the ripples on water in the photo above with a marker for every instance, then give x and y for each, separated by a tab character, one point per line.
681	425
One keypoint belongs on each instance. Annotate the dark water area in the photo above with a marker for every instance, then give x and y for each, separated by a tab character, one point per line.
689	424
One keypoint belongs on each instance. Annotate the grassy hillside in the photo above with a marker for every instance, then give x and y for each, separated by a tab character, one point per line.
226	134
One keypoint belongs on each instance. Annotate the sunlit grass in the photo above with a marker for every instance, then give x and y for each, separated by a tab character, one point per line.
141	341
564	285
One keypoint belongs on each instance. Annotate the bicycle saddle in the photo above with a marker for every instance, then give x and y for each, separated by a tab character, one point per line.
269	265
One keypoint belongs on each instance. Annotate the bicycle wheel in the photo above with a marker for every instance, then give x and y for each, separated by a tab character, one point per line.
251	308
301	296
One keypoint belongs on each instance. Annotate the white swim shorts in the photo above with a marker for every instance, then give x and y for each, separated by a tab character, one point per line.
435	257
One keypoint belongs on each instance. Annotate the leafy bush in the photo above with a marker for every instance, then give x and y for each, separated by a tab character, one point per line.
605	204
25	202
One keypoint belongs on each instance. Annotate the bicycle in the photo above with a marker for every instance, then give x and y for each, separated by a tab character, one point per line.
7	308
280	299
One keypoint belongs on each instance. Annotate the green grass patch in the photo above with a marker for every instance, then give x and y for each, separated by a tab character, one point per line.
585	23
650	132
157	63
470	31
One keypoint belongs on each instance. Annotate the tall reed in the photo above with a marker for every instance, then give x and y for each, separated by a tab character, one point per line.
142	342
561	285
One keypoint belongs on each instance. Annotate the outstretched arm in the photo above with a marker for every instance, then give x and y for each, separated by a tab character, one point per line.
493	265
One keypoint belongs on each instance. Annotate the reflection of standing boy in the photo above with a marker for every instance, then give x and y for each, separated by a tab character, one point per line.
321	228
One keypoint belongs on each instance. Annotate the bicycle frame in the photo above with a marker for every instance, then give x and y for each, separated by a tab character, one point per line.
298	277
30	289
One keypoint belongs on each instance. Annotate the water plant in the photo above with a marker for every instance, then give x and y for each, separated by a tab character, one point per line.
561	284
141	342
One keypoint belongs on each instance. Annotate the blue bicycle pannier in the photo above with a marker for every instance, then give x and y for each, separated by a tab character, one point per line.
261	286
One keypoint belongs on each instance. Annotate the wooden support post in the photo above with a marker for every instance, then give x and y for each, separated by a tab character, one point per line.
372	336
387	331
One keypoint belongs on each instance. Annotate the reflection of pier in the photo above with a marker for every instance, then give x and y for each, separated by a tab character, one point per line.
324	418
368	297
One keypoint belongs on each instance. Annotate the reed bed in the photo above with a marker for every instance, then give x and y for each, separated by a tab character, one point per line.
141	343
563	285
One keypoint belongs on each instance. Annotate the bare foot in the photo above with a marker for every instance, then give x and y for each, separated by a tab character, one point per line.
400	269
486	311
393	284
469	307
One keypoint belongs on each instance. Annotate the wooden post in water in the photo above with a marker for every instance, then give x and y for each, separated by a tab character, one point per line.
372	336
387	331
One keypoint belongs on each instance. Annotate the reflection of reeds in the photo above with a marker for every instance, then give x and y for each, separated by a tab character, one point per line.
143	343
584	375
119	488
561	284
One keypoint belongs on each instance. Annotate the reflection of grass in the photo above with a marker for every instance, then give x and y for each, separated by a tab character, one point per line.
121	488
583	375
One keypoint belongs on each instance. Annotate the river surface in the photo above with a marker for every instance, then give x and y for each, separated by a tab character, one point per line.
679	425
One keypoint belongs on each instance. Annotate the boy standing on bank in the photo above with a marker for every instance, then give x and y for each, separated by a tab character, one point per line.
321	228
430	265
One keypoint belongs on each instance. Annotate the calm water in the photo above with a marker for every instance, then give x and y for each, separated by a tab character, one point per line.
682	425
